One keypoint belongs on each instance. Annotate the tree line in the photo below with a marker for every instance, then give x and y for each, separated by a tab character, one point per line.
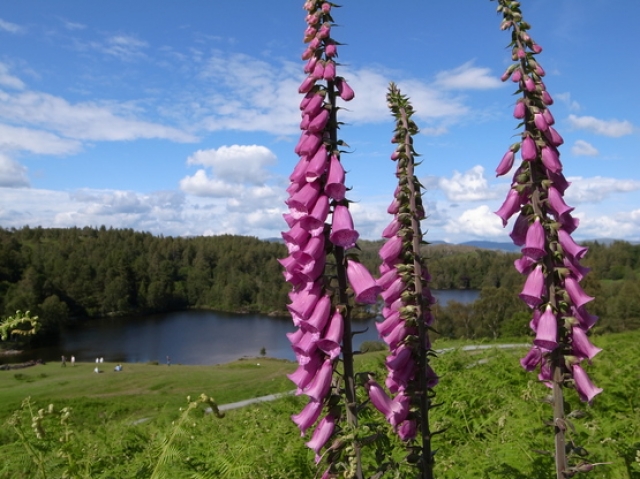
61	274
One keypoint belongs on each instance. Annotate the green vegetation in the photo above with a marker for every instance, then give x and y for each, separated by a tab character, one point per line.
492	414
117	395
60	274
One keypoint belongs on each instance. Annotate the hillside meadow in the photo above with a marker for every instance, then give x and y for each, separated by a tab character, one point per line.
138	423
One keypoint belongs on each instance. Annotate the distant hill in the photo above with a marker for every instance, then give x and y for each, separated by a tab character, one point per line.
490	245
508	247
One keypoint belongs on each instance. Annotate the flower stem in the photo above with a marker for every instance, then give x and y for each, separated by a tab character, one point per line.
343	298
558	416
425	400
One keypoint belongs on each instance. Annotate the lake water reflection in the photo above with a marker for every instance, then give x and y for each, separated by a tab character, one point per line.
192	337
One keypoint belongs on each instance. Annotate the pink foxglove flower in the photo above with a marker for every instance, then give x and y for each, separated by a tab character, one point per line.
519	233
305	373
535	241
528	151
547	332
406	296
344	90
342	232
557	204
505	164
577	295
570	247
581	346
330	343
407	429
584	386
533	288
550	257
363	284
540	122
510	206
532	360
316	191
550	159
335	187
319	386
321	435
308	416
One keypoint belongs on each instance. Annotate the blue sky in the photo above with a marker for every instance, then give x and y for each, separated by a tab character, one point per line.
180	118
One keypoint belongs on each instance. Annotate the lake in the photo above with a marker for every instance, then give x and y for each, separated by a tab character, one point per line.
191	337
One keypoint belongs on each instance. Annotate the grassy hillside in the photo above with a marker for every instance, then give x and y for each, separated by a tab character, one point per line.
492	411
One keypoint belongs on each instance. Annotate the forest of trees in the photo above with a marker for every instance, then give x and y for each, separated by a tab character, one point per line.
80	273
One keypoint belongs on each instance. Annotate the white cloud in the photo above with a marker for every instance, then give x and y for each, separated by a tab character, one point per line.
434	131
596	189
201	185
72	25
470	186
159	212
566	98
480	222
237	172
165	212
124	47
10	27
583	148
236	163
253	95
623	225
430	102
370	105
36	141
613	128
82	121
12	173
8	80
468	77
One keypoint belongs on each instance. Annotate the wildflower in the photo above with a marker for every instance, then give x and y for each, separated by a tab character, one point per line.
586	389
547	331
364	286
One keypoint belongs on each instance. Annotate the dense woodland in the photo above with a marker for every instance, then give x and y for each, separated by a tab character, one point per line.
67	275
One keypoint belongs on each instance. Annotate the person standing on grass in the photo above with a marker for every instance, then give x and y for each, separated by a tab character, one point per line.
168	361
73	360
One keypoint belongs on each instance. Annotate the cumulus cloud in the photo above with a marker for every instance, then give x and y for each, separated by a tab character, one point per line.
596	189
236	163
468	77
202	185
480	222
583	148
468	186
237	172
612	128
622	225
12	173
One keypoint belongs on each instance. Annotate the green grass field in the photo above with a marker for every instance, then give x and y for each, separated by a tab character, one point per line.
141	389
492	412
